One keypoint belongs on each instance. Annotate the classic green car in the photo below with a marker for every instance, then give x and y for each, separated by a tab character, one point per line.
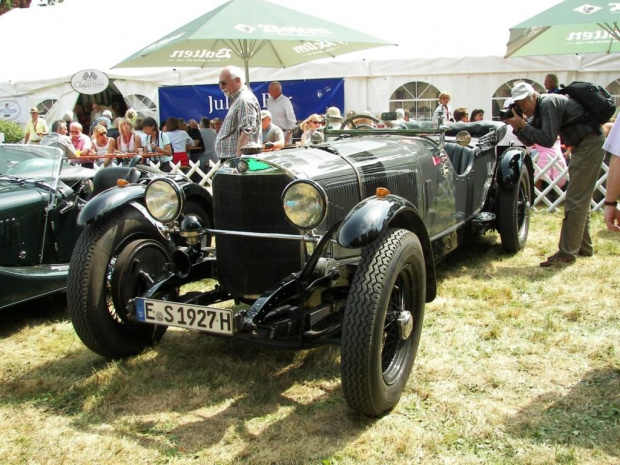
335	243
41	195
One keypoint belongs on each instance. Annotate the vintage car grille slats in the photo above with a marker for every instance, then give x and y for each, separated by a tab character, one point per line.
401	184
342	198
249	266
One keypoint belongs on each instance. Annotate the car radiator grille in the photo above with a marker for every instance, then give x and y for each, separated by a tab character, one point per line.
250	266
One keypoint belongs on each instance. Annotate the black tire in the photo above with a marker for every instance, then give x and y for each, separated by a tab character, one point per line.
376	361
97	291
515	212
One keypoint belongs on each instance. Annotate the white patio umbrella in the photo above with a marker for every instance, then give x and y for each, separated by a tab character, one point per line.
251	33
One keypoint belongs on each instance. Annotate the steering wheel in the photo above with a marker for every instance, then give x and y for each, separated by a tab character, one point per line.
135	160
350	120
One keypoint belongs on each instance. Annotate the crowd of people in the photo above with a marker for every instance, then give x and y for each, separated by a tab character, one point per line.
544	124
175	141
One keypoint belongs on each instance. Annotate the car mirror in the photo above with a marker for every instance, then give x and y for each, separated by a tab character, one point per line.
463	138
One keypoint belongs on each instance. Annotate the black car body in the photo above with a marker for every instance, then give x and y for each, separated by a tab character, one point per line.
40	198
334	243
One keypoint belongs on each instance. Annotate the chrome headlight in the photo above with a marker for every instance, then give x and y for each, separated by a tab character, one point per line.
305	204
164	200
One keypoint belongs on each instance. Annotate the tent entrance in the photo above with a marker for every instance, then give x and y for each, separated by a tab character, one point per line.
110	99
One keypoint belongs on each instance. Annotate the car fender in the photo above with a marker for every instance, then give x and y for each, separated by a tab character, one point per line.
371	217
199	194
108	201
510	166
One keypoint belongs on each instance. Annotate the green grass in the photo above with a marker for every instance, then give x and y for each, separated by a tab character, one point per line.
517	365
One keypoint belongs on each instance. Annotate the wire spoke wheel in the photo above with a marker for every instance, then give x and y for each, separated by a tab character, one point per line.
382	322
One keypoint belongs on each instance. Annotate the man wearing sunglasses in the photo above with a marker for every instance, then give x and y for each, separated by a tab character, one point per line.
243	108
79	140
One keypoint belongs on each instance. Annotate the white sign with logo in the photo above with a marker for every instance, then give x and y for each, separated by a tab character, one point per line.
14	109
90	81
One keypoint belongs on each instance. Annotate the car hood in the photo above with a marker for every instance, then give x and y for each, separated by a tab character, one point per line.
357	165
14	197
318	162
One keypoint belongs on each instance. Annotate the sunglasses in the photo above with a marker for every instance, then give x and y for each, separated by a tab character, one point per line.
223	83
315	122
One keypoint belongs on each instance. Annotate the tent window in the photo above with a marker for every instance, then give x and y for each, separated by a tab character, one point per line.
419	97
614	91
46	105
503	93
143	105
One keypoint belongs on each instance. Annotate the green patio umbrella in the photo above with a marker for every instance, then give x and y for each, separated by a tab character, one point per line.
251	33
572	26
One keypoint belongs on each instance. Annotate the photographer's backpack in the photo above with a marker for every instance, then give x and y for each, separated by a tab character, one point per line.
594	99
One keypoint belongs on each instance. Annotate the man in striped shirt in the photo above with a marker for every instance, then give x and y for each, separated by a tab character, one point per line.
242	103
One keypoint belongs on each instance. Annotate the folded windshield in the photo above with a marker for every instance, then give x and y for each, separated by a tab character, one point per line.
30	162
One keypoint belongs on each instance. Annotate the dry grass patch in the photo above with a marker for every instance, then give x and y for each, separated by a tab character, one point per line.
517	365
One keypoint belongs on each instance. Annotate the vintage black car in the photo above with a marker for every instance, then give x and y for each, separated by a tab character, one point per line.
331	244
40	197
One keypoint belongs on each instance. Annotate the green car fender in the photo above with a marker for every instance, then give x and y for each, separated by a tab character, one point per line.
108	201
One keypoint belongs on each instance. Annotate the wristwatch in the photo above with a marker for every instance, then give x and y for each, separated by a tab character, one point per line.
611	203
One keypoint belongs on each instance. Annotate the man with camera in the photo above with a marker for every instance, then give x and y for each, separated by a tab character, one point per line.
539	119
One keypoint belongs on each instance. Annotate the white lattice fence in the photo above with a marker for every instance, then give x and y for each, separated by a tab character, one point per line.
194	172
551	186
540	197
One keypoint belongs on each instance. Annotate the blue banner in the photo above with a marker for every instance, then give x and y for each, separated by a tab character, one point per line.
193	102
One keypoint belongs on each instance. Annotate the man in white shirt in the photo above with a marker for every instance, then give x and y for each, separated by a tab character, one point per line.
281	109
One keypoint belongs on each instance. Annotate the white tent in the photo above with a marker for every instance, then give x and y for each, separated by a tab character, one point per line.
453	45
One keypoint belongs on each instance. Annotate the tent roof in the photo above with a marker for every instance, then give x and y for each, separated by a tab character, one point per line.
57	41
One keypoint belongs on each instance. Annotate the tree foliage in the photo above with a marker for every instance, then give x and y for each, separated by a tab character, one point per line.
6	5
13	132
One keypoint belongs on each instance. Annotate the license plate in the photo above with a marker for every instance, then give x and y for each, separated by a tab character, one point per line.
199	317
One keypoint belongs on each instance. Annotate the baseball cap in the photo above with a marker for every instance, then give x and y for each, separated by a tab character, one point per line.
107	113
265	114
521	90
34	110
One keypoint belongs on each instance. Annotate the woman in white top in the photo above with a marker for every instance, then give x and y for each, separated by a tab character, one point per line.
128	141
157	142
180	140
102	144
443	109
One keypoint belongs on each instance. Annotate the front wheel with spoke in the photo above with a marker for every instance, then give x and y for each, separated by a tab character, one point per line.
382	322
114	261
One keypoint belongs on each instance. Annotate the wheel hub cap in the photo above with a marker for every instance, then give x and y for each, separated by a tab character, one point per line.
405	324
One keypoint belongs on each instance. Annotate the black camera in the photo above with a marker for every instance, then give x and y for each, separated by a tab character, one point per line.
512	110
